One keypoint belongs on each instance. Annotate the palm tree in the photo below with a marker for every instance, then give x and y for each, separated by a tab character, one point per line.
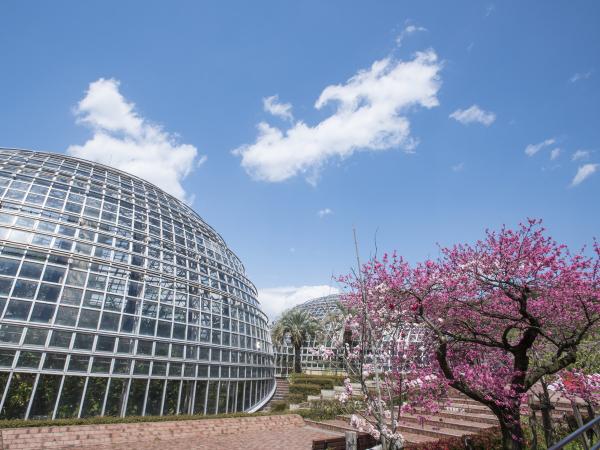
298	325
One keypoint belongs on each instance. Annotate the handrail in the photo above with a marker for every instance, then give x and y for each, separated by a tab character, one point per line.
575	434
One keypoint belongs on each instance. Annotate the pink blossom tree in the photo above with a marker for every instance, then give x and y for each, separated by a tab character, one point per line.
487	308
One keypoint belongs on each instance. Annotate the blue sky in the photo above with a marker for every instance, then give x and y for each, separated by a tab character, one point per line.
416	122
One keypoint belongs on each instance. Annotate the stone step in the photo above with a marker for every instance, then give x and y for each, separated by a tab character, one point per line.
328	394
342	425
462	423
430	430
488	419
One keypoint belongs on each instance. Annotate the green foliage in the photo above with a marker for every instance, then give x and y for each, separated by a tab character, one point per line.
326	382
296	398
329	409
297	324
128	419
279	405
305	389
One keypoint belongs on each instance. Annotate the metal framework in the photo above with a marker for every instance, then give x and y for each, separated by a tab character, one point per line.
118	299
320	308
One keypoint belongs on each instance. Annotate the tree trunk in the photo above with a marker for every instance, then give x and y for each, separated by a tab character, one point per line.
546	410
510	427
534	426
297	359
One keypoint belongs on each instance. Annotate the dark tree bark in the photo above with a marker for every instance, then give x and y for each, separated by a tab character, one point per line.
297	359
546	409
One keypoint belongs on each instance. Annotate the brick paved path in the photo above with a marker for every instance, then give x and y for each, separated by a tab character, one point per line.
287	438
287	431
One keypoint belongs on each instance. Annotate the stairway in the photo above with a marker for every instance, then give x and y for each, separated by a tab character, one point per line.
282	390
459	416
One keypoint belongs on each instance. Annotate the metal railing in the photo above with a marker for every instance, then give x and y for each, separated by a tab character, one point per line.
580	433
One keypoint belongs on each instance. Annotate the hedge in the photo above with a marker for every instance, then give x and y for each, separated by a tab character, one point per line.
279	405
19	423
326	382
296	398
305	389
328	409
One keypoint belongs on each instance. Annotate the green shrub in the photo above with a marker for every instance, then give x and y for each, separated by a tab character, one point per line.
296	398
17	423
305	389
279	405
326	382
329	409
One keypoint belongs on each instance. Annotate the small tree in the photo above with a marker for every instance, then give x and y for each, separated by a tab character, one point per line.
488	308
297	325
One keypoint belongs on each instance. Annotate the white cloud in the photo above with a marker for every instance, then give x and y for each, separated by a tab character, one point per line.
458	167
580	76
408	30
532	149
273	106
276	300
580	155
370	114
125	140
473	114
583	173
490	9
555	154
324	212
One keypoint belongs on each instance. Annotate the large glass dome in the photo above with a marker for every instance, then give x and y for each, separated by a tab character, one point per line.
118	299
322	307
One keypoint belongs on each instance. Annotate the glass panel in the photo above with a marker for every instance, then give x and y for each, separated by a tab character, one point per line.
94	396
3	381
223	397
211	404
84	341
24	289
170	407
247	395
42	313
137	392
10	333
231	397
17	398
29	360
141	367
122	366
155	393
6	357
79	363
89	319
36	336
68	405
159	368
105	344
200	397
101	365
8	266
187	389
31	270
116	397
55	361
240	396
48	293
60	339
17	309
46	392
